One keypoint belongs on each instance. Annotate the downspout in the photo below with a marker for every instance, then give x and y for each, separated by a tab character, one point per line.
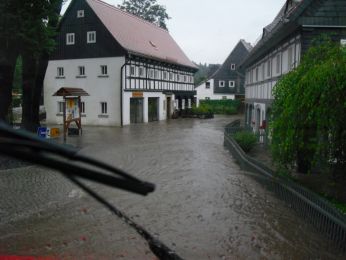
121	94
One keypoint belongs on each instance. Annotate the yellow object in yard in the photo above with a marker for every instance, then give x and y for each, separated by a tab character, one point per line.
54	132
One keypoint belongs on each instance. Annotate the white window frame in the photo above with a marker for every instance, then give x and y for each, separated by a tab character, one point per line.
165	75
104	70
151	73
141	71
207	85
232	66
70	38
81	70
82	107
60	72
278	63
61	107
104	108
231	83
80	13
221	84
132	71
91	37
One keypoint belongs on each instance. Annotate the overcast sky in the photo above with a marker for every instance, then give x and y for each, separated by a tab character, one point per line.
208	30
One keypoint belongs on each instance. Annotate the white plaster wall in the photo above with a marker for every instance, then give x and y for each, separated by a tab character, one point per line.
203	92
100	89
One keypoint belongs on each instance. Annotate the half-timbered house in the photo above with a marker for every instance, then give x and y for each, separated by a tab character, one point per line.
133	70
228	81
281	46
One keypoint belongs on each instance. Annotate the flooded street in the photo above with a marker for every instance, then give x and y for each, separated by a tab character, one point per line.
204	206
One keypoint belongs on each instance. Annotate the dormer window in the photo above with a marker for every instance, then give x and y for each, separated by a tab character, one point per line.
91	37
221	83
80	13
232	66
69	38
231	84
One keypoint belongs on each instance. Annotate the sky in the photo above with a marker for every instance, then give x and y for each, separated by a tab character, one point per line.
207	30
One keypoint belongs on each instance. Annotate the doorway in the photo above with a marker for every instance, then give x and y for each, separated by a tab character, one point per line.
136	110
169	102
153	109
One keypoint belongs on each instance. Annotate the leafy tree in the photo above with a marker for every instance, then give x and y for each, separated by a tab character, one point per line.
26	28
149	10
205	71
309	111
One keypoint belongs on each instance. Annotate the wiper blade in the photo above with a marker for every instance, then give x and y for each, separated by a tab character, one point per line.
26	146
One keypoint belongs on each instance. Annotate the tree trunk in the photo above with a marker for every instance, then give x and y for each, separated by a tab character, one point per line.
6	80
29	79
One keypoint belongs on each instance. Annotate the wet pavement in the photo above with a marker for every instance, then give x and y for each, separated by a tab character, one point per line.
204	206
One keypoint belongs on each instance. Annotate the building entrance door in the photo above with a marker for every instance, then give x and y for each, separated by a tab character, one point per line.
136	110
169	102
153	109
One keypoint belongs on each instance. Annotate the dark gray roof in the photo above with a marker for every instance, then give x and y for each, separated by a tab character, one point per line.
237	55
284	17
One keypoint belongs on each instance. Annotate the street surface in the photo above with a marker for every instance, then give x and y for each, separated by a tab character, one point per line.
204	206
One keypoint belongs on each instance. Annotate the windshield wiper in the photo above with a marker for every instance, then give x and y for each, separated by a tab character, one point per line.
26	146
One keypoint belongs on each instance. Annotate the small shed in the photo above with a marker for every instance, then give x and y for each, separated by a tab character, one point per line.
72	106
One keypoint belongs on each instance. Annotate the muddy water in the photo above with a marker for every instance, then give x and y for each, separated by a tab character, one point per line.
204	206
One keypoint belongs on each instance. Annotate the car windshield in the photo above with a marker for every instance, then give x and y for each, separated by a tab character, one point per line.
160	129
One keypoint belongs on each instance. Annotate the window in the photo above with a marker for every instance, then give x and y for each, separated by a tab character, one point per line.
278	63
343	42
178	77
156	74
151	73
224	97
132	71
207	84
207	98
60	72
263	71
82	107
141	71
61	107
185	78
268	68
232	66
69	38
81	71
103	108
170	76
165	75
257	74
91	37
231	84
80	13
289	58
104	70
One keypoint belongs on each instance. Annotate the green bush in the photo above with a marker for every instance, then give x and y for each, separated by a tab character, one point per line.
246	140
227	106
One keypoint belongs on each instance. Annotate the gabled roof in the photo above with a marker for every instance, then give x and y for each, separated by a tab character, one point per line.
237	55
138	36
71	92
286	17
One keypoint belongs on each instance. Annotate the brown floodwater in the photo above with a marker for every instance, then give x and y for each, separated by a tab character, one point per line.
204	206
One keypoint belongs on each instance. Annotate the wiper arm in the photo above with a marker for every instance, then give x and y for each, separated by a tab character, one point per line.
26	146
